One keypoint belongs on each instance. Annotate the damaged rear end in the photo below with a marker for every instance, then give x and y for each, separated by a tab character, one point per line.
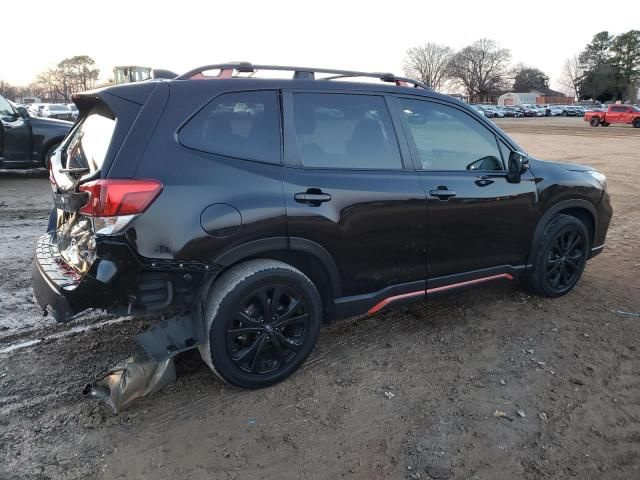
85	259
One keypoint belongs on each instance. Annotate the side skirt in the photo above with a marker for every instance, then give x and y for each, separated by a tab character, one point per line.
411	292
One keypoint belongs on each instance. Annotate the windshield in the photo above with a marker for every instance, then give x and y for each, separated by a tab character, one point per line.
89	143
635	109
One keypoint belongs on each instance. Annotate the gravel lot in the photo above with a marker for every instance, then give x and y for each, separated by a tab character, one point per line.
411	393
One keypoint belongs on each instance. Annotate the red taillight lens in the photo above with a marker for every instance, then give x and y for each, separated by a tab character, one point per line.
113	197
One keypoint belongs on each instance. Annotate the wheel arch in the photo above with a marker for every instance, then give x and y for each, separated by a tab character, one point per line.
46	146
580	209
307	256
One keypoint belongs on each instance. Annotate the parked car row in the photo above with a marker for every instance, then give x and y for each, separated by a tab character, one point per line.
59	111
531	110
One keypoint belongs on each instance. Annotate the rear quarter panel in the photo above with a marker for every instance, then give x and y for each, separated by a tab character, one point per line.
193	180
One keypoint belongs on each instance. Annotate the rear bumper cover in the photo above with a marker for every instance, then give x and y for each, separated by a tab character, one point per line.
60	290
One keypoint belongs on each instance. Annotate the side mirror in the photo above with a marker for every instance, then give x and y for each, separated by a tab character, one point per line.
518	164
23	112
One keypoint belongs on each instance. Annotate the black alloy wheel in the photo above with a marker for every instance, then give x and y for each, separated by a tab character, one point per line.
565	260
263	319
268	329
559	257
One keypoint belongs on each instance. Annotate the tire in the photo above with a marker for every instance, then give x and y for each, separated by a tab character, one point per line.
559	257
47	156
636	123
594	122
249	344
605	124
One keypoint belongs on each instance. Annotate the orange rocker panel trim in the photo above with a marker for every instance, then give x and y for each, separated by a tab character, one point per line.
380	305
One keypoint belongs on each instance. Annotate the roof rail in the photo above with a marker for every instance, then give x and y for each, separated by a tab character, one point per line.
299	73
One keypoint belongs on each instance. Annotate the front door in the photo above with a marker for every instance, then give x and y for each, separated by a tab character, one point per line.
347	190
480	225
15	134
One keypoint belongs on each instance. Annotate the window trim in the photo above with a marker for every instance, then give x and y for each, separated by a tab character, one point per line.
292	154
275	91
417	165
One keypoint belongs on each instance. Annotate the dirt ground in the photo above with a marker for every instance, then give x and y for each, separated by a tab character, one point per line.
409	393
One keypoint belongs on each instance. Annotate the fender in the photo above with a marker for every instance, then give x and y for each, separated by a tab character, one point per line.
295	244
553	211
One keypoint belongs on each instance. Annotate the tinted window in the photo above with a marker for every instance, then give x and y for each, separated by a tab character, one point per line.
345	131
619	109
446	138
240	124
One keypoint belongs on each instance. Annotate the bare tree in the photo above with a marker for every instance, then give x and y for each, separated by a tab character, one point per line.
571	76
428	64
481	68
71	75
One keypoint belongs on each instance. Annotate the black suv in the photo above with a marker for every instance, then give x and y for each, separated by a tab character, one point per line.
27	142
258	209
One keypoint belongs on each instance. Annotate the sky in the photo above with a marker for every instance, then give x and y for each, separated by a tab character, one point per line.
358	35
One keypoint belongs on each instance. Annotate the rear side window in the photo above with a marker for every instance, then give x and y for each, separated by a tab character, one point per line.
243	125
345	131
87	147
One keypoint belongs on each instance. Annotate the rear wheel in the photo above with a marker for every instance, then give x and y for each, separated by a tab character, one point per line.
594	122
263	318
559	257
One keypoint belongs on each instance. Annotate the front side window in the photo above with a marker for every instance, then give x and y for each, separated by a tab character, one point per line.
5	108
345	131
446	138
243	125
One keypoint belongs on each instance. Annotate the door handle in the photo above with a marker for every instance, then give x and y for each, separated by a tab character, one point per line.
442	193
313	197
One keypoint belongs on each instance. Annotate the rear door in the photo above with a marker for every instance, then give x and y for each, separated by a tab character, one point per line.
15	134
479	223
350	189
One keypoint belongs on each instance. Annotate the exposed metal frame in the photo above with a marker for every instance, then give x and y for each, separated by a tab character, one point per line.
299	73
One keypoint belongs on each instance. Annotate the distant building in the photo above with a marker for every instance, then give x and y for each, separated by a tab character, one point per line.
541	96
27	100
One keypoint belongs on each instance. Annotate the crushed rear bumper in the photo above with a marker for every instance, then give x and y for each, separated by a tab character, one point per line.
60	290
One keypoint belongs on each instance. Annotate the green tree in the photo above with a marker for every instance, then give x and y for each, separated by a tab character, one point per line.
626	58
529	78
598	52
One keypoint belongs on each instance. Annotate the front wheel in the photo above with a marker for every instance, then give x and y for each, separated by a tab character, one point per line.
559	257
636	123
262	321
594	122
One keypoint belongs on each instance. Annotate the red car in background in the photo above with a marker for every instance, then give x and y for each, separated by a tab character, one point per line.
628	114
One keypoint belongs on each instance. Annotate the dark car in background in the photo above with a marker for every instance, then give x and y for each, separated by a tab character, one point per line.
26	141
258	209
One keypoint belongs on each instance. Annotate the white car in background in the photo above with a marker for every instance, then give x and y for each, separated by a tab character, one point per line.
56	110
74	110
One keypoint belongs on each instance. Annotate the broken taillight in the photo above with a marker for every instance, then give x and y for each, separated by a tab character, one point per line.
113	203
115	197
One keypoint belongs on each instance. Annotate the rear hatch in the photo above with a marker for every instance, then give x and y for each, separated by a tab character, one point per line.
88	203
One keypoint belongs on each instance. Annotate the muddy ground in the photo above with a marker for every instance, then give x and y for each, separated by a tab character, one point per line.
409	393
